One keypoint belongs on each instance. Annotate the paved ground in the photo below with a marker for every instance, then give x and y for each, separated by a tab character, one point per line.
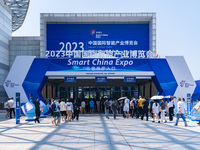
98	133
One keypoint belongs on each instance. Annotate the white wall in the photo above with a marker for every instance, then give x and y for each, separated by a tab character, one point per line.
5	36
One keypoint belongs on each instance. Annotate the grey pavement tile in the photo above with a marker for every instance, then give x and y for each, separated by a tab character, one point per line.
105	147
180	146
85	146
96	132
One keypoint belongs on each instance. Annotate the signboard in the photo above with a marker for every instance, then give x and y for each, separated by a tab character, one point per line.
135	93
70	79
29	110
98	64
130	79
98	41
18	108
189	105
195	113
100	79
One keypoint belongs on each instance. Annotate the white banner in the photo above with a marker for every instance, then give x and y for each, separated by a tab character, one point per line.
16	76
183	76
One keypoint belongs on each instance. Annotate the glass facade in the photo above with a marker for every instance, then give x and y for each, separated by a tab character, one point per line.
96	92
19	9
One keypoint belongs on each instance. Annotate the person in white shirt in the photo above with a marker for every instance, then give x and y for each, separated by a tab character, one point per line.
69	106
83	107
155	109
180	112
11	107
126	107
171	109
63	110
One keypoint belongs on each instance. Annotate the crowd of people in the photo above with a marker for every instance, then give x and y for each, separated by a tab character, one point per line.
69	109
142	107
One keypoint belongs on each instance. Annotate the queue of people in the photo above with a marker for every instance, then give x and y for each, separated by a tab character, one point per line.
139	108
142	107
68	110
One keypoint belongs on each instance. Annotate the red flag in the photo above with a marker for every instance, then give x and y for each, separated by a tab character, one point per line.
157	56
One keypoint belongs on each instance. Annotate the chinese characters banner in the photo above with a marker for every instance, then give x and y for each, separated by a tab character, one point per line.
98	41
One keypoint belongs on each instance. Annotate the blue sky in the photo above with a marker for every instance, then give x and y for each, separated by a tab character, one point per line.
178	22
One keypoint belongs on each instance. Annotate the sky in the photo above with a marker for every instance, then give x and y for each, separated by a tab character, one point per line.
177	22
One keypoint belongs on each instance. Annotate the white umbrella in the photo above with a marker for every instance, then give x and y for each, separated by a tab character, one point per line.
122	98
169	96
157	97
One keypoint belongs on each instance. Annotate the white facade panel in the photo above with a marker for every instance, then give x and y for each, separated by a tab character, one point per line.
16	76
183	76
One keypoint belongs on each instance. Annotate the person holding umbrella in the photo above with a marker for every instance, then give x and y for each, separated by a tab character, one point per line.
155	110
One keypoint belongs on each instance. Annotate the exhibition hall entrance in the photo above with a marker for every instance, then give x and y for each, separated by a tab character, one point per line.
88	89
97	92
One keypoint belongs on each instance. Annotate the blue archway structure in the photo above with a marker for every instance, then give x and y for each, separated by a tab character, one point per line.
36	78
196	94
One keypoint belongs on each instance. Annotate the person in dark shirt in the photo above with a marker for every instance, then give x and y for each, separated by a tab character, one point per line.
76	109
136	108
150	106
145	108
37	110
163	110
114	107
107	108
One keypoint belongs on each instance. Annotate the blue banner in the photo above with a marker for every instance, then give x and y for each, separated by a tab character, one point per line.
70	79
98	64
100	79
195	113
98	41
18	109
130	79
189	105
135	93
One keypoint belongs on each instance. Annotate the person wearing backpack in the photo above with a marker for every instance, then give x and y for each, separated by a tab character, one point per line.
114	107
56	111
107	107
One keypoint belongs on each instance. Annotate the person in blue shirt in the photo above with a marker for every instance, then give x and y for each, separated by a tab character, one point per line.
91	106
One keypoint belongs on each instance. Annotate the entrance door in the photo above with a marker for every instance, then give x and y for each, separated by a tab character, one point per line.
86	92
104	92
